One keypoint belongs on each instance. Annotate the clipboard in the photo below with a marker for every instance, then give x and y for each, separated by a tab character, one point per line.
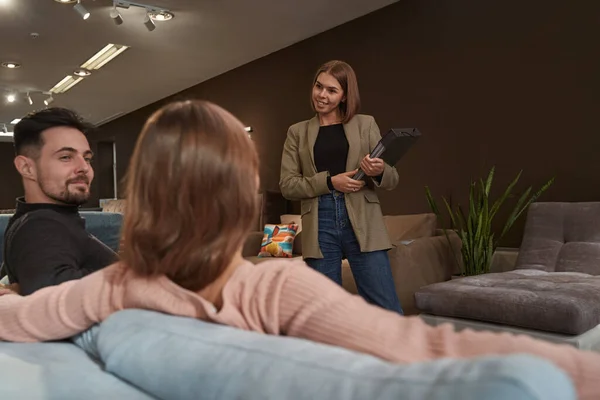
392	146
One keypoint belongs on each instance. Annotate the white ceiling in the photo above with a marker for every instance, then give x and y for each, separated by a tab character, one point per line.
206	38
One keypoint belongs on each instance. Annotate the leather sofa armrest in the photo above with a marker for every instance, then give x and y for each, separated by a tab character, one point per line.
422	262
416	263
252	244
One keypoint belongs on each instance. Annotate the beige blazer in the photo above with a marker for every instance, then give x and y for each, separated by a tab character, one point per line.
300	181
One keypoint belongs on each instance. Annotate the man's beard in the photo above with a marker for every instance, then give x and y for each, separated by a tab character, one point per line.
66	196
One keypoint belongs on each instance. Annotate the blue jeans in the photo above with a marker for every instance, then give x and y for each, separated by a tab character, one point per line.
371	270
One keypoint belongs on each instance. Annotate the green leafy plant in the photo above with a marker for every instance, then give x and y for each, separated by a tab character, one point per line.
474	227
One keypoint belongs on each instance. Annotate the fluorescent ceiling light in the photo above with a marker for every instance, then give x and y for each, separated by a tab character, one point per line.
67	83
99	59
15	121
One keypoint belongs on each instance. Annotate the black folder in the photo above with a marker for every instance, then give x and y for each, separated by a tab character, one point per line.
392	146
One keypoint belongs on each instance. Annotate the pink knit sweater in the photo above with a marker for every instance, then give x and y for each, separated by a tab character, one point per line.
277	297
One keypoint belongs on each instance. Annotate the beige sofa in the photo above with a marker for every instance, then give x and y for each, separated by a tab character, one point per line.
421	254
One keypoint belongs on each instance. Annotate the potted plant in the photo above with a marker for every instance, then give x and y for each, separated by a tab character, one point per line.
474	226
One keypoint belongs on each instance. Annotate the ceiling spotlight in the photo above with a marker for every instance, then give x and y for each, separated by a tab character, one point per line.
49	100
149	23
11	65
81	10
116	16
82	72
65	1
11	98
248	129
28	98
161	15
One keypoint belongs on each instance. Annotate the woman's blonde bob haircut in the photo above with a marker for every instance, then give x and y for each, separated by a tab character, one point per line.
191	194
346	77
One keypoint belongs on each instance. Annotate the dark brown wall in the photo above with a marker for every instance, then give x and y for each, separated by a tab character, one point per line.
508	83
10	180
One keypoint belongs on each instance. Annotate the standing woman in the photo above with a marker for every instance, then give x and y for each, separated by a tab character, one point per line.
341	217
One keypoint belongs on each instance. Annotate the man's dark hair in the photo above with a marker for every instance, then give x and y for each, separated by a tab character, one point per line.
28	132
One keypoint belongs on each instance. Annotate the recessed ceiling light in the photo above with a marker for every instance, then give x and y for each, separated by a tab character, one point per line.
11	98
65	1
82	72
11	65
161	15
15	121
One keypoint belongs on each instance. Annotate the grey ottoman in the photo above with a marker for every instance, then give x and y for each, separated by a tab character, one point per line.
555	287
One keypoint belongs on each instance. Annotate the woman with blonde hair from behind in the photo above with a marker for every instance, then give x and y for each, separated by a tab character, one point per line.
191	200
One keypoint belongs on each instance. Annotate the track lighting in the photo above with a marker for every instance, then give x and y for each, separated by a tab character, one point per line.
149	23
153	13
81	10
12	96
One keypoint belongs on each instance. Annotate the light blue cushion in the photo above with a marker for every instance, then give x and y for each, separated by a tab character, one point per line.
57	371
181	358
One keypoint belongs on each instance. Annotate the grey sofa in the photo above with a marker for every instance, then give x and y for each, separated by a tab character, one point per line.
554	291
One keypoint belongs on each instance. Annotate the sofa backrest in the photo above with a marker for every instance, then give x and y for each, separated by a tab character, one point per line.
562	237
105	226
410	226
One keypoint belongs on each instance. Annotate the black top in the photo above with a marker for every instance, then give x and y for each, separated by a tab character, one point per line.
331	149
48	245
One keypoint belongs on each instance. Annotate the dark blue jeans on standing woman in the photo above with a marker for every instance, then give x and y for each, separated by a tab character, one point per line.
371	270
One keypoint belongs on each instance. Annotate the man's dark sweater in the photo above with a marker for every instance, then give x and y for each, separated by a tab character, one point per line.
47	244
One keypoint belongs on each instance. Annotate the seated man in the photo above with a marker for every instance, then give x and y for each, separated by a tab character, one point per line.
45	242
